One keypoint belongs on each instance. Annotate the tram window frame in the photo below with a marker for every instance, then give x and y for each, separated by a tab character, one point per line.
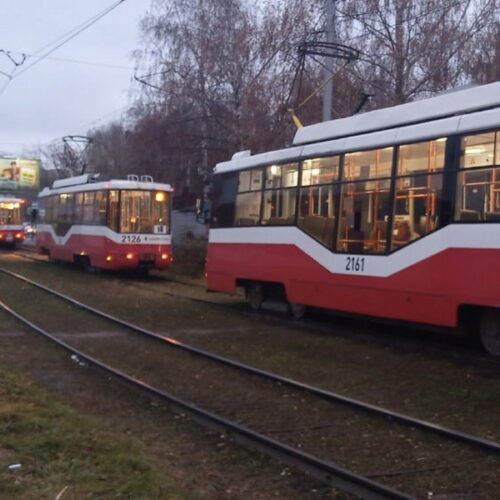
160	212
113	214
248	203
140	216
418	177
78	213
225	188
280	194
101	207
318	197
478	200
9	216
88	207
369	172
65	208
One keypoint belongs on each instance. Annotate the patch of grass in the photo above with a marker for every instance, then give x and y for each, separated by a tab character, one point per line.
58	448
189	258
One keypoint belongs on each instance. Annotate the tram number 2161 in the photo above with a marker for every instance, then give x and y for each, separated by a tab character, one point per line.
355	264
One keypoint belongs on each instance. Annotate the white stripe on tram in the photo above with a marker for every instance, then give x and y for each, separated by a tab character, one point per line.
136	239
470	236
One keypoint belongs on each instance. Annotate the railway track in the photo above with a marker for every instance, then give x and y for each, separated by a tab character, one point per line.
459	348
433	341
309	441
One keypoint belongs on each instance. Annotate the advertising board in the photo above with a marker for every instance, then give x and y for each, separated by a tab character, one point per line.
18	174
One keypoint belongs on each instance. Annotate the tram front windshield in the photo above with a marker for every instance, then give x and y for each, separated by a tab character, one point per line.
144	212
10	213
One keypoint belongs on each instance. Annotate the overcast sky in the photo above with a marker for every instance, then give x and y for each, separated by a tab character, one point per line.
57	98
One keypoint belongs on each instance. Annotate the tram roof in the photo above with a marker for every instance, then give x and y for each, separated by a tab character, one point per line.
13	199
458	112
74	187
452	103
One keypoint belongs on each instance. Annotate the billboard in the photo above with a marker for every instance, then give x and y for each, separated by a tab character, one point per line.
18	174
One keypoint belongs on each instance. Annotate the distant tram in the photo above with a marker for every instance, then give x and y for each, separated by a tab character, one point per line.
11	220
393	213
115	224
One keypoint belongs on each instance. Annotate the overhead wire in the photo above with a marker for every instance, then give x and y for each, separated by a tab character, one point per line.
59	42
68	37
76	61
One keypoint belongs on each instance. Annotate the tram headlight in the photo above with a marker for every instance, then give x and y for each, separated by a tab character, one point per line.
19	236
164	256
160	196
2	236
129	256
109	258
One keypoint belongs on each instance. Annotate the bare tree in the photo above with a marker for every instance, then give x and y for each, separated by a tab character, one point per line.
413	47
221	70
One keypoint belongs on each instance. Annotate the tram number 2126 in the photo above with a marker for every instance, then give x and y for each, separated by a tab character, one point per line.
131	238
355	264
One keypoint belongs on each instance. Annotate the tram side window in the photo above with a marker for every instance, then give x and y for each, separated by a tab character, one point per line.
136	212
365	205
51	203
10	213
317	199
280	194
78	215
113	212
160	212
88	207
248	199
223	200
66	208
478	182
100	208
418	191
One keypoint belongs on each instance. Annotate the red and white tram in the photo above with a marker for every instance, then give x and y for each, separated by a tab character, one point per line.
115	224
11	220
393	213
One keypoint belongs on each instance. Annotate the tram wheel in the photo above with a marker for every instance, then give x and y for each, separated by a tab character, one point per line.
255	296
489	331
297	311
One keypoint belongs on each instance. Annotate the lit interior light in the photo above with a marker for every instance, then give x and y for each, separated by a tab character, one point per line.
160	196
129	256
441	139
164	256
474	151
315	171
109	258
9	206
133	220
274	170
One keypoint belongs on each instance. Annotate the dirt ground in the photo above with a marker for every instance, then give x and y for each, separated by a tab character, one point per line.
440	387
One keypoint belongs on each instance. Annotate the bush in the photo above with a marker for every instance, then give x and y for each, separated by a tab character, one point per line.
189	258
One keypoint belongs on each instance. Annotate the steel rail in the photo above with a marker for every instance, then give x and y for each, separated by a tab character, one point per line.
316	391
324	470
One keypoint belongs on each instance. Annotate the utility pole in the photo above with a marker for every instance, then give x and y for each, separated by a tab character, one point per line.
328	61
